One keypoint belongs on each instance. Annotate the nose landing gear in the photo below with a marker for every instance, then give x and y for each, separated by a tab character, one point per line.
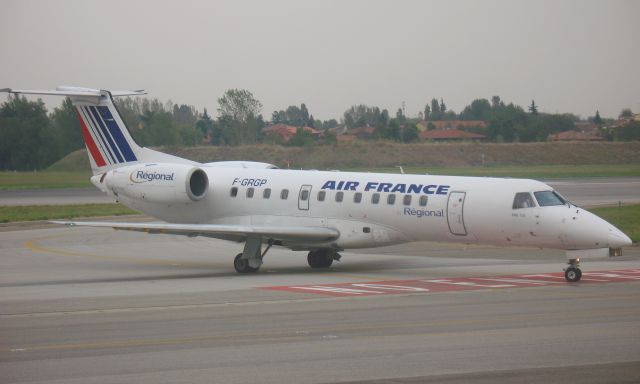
322	258
573	273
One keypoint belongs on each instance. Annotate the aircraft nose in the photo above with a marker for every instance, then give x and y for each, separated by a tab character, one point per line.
617	239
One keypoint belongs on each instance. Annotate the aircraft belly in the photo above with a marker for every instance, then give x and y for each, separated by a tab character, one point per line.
362	234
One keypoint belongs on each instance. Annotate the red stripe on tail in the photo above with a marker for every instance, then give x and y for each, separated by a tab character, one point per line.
91	145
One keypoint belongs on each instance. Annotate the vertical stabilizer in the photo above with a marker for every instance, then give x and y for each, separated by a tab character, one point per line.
108	141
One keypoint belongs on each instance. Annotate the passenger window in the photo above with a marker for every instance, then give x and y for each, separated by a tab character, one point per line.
234	191
266	193
321	195
339	196
523	200
250	192
423	201
304	195
549	198
406	200
284	194
391	199
357	198
375	198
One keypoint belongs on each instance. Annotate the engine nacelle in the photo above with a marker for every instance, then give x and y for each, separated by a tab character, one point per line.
159	183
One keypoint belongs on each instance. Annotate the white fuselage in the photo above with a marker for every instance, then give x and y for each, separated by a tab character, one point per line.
457	209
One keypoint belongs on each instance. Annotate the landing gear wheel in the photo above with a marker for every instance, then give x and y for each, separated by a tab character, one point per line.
242	265
320	259
572	274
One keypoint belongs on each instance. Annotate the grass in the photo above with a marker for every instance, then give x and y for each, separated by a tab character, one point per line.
44	180
49	212
626	218
534	171
49	179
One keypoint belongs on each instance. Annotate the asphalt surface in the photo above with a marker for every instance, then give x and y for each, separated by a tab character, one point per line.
90	305
583	192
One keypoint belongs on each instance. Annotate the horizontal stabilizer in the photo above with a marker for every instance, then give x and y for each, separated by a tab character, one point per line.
73	91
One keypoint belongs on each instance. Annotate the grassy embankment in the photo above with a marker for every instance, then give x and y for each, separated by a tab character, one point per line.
79	179
44	180
49	212
626	218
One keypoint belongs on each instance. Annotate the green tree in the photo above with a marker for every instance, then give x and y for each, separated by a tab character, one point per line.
400	116
597	119
302	138
626	113
331	123
479	109
239	104
410	133
427	112
361	116
533	108
243	109
25	135
435	110
630	131
67	135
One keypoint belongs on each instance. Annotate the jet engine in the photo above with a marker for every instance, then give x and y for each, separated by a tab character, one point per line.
158	183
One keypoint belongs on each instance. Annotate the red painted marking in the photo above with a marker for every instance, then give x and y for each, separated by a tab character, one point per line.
391	287
91	145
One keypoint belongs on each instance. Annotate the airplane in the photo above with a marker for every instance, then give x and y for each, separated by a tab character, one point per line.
321	212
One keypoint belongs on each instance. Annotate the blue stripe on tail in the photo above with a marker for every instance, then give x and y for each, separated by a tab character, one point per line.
113	146
116	132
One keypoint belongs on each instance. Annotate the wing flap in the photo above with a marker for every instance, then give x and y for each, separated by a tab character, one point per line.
276	232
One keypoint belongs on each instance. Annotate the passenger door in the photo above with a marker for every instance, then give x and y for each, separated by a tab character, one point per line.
455	213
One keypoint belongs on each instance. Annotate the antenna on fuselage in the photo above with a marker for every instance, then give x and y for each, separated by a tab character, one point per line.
401	169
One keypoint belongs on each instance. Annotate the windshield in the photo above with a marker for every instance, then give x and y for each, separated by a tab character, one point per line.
549	198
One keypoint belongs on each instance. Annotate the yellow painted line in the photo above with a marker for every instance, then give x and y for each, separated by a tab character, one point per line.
315	331
35	247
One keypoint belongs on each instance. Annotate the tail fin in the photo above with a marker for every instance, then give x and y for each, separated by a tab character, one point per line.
107	139
105	134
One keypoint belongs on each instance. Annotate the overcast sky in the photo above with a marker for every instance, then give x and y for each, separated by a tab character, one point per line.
570	56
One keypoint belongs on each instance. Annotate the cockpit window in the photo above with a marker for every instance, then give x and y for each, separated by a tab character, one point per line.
549	198
523	200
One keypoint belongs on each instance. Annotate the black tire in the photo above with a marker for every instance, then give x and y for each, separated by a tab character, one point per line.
320	259
242	265
572	274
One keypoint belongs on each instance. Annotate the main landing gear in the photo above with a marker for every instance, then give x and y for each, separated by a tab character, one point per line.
322	258
250	260
573	273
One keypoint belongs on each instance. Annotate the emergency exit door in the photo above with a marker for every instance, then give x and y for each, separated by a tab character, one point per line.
455	213
303	197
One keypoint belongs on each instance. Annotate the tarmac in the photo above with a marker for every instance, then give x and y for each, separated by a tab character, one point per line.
92	305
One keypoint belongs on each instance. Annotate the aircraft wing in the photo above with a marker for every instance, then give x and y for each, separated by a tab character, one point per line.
238	232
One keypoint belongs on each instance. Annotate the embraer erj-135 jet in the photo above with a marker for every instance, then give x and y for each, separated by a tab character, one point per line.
322	212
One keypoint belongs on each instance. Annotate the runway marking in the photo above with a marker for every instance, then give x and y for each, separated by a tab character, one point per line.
390	287
321	332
